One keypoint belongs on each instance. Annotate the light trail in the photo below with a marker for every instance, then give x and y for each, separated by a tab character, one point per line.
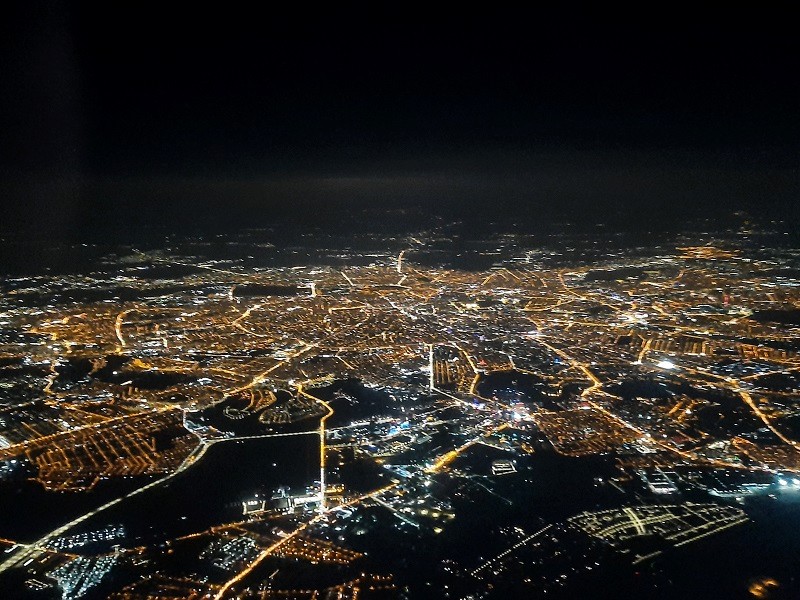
118	328
397	513
746	398
186	264
267	551
749	401
645	349
264	554
431	385
505	553
237	321
782	371
36	548
472	365
733	523
17	448
637	522
596	384
322	503
448	457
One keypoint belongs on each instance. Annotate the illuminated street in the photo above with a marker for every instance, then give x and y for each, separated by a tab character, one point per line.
329	303
421	395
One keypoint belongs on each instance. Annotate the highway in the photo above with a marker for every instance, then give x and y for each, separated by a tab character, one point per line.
35	549
505	553
228	586
321	433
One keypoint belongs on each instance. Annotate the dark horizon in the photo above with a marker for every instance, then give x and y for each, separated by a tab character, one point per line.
116	117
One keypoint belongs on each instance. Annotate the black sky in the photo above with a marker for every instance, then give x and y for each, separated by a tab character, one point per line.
111	113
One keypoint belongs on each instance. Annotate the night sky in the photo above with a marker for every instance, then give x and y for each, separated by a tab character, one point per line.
132	115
